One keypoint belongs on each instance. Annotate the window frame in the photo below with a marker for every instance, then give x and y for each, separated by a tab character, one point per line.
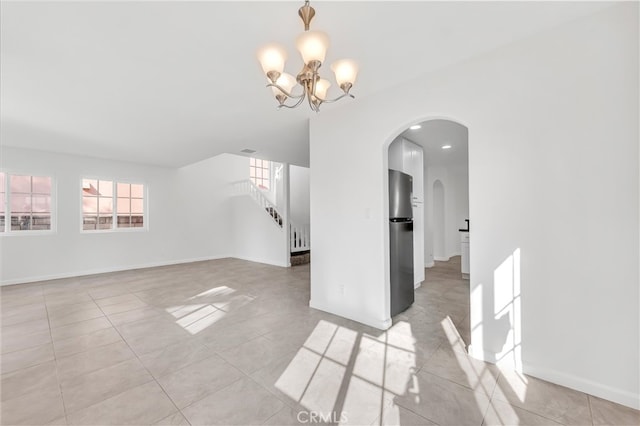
114	214
268	179
8	232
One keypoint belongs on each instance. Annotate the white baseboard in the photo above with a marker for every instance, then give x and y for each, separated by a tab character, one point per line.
371	322
429	264
32	279
441	259
285	264
600	390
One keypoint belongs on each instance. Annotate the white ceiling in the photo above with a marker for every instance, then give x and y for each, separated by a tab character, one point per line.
434	134
171	83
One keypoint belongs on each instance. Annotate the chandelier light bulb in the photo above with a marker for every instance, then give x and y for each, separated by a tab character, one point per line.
322	86
286	81
313	46
272	58
346	71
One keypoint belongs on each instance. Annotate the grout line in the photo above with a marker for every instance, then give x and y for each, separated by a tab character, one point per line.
55	362
590	409
143	366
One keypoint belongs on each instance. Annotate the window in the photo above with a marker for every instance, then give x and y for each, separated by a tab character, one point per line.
259	172
26	201
105	203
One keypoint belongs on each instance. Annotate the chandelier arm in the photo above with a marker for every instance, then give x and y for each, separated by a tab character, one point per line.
287	94
330	101
292	106
312	104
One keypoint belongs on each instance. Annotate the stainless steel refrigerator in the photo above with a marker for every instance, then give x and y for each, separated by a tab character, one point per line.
401	241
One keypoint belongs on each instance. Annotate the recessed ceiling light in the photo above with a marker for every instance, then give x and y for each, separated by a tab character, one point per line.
415	127
446	146
248	151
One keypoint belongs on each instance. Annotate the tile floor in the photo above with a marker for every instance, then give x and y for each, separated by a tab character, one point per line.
233	342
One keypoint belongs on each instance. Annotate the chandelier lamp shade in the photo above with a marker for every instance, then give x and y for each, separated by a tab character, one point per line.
312	46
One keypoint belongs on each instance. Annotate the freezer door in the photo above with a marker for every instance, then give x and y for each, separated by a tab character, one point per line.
401	259
400	187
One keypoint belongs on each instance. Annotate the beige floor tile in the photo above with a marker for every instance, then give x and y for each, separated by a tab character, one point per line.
26	358
91	360
29	380
609	413
256	354
443	402
13	303
150	335
62	318
69	298
142	405
61	421
63	310
175	357
399	416
23	314
74	345
24	341
225	408
80	328
16	330
546	399
37	407
88	389
135	315
175	419
501	413
116	300
123	307
198	380
463	369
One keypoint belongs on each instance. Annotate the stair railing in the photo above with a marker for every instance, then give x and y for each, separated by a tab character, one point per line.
300	237
250	188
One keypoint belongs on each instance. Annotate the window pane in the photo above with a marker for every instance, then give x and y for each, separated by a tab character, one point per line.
42	184
41	203
1	222
105	188
123	190
137	205
20	183
21	203
105	205
2	201
266	164
252	172
105	222
89	222
137	190
123	205
89	187
20	222
124	221
41	222
137	221
252	161
2	181
89	204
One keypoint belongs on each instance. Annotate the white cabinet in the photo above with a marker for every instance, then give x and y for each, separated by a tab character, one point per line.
464	245
418	243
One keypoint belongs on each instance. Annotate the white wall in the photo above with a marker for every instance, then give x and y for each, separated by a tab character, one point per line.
455	180
257	237
187	217
553	172
299	195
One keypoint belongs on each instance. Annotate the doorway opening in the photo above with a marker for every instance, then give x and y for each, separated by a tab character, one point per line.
435	153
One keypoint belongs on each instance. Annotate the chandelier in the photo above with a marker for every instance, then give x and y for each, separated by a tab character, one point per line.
313	47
